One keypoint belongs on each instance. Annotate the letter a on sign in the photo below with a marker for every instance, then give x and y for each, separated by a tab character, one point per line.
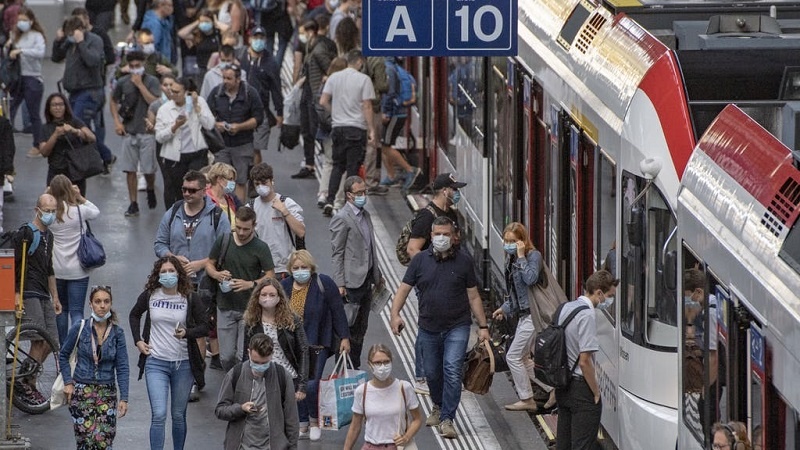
396	29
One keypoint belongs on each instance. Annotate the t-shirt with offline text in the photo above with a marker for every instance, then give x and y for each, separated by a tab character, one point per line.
167	311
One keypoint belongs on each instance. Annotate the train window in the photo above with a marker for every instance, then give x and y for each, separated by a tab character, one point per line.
693	368
630	258
574	23
466	99
662	312
502	134
605	216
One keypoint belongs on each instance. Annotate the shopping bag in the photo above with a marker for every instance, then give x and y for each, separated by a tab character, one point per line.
57	395
336	394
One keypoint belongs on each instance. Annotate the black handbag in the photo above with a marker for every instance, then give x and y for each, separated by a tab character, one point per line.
10	73
214	140
83	161
91	253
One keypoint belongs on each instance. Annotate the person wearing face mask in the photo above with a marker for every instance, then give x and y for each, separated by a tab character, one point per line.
160	20
700	313
268	312
257	399
316	299
129	101
220	188
155	63
279	218
382	406
101	371
40	297
523	268
72	280
355	264
213	77
579	407
169	358
27	44
447	293
203	38
265	77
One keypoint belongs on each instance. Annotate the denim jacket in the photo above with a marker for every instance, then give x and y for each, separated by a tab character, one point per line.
524	272
114	359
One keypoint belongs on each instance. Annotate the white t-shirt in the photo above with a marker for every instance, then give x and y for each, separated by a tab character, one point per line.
67	235
165	312
271	228
384	410
348	89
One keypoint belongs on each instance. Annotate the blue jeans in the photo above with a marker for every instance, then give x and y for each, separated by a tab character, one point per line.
31	92
444	358
72	295
87	105
309	406
167	379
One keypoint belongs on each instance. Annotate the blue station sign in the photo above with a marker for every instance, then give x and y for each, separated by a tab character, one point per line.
439	27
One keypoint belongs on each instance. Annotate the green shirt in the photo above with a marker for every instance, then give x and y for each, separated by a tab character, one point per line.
246	262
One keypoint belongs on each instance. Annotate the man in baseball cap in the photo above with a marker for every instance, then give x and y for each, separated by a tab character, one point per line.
447	180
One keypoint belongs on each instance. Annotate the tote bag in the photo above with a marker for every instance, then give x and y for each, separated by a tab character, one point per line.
336	394
545	297
57	396
91	253
83	162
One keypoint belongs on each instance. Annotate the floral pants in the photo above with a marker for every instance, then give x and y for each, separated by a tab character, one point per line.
94	415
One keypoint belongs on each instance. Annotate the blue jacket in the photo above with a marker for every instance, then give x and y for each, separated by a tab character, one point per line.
323	318
524	272
113	362
171	237
162	30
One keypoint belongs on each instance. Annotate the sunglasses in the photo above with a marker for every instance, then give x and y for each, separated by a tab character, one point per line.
187	190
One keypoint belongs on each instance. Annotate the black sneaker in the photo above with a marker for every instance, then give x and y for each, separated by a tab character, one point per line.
305	172
327	210
133	210
151	199
216	364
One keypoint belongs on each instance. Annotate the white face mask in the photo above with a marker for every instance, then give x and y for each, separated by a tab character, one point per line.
263	190
382	371
303	38
441	243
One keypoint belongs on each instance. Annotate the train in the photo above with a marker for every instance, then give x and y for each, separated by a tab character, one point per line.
586	137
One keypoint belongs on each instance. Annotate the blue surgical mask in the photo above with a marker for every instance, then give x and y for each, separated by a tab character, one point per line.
689	302
360	201
164	98
301	275
71	39
606	304
149	49
258	45
230	187
189	104
510	248
223	65
138	71
456	197
168	280
102	318
47	219
260	368
205	27
23	25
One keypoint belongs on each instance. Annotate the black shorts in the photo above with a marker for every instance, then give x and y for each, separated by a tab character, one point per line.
392	129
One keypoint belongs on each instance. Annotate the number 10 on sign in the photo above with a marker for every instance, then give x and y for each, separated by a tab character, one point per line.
479	26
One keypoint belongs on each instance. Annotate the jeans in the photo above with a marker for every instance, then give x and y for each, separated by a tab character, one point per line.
87	105
444	358
578	417
419	360
282	44
230	332
362	296
168	379
72	295
309	406
349	146
31	92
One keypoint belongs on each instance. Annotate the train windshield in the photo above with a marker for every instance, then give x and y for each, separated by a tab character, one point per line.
649	310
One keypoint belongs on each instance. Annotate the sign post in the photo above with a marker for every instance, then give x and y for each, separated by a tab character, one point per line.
440	27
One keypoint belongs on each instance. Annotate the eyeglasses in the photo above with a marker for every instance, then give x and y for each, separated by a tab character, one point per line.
188	190
359	193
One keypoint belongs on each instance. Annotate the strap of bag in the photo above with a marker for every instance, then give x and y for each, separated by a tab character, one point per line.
226	242
74	353
286	222
566	322
364	399
488	348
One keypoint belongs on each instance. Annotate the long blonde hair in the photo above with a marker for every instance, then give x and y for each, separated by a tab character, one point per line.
61	189
284	317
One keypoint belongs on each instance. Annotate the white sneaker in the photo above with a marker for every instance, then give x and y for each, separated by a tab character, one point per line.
421	387
141	183
314	433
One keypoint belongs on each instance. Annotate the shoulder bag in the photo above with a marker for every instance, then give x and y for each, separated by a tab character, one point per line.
57	396
403	425
83	162
91	253
479	368
544	297
213	138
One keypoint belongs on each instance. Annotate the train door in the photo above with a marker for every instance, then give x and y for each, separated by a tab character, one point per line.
581	158
534	150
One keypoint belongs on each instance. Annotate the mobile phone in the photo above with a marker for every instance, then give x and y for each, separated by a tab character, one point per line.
255	409
401	328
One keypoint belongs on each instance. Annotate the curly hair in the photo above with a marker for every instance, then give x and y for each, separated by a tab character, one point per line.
184	285
284	317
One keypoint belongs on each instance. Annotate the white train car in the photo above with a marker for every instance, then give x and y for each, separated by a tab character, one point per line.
738	211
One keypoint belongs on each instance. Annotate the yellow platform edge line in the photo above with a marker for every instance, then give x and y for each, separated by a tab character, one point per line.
546	428
625	3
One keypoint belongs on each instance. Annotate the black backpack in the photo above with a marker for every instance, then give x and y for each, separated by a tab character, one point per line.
550	351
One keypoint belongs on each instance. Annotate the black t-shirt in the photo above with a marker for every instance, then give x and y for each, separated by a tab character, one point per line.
442	289
207	45
39	265
58	158
423	221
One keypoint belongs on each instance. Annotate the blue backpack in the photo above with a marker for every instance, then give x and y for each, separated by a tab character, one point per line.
406	87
